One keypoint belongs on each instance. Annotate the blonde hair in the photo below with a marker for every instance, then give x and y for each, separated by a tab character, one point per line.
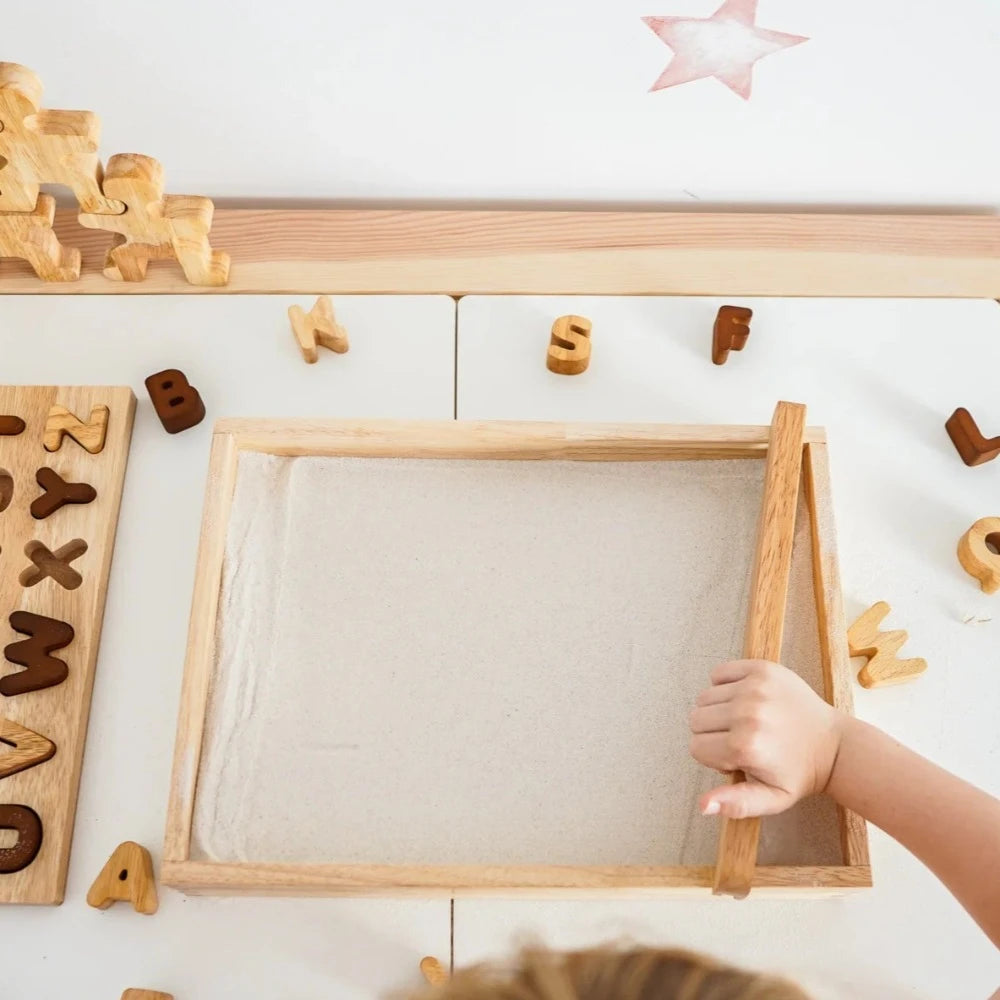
612	974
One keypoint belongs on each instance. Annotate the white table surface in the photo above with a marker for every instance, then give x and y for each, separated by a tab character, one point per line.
882	376
238	351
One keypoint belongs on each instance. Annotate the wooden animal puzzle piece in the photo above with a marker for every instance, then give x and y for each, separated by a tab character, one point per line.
979	553
433	971
730	333
569	346
43	670
318	326
53	564
146	995
28	826
90	436
155	226
29	236
864	638
29	748
178	404
11	426
6	489
126	877
57	493
969	441
46	147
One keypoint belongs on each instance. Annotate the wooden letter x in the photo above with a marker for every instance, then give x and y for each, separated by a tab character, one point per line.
55	564
44	670
318	326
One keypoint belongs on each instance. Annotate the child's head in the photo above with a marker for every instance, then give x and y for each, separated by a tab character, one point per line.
614	974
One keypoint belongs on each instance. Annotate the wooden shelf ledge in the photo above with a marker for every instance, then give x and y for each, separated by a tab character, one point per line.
558	252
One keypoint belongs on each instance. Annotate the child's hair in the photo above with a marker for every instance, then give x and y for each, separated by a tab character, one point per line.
613	974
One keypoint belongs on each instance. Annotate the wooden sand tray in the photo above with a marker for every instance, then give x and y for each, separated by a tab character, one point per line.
443	764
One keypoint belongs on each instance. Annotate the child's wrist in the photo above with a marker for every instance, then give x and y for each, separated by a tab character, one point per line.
846	733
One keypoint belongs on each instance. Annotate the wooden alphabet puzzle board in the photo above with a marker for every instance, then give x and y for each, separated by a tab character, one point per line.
61	482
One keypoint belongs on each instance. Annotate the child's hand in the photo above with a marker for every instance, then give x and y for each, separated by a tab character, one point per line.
764	720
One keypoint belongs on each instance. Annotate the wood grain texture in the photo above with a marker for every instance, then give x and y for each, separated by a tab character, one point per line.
10	425
27	748
135	994
127	877
738	838
155	225
200	877
200	658
177	403
540	441
40	146
832	624
569	345
88	434
56	493
880	648
585	253
59	712
29	237
976	556
730	332
317	328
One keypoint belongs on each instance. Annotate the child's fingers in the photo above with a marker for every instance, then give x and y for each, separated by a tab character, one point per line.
746	798
712	719
734	670
713	750
717	694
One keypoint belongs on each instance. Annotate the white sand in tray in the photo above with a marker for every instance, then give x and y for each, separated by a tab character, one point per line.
483	662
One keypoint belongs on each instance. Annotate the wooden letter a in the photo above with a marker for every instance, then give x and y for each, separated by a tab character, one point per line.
128	877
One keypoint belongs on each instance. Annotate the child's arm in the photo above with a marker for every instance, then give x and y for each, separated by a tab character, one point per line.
766	721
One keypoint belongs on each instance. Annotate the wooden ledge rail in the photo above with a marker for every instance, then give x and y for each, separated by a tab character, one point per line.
557	252
430	881
500	439
772	567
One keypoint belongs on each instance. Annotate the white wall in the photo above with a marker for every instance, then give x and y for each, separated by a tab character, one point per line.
888	103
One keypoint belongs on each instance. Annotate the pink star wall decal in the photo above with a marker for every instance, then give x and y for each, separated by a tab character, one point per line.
726	45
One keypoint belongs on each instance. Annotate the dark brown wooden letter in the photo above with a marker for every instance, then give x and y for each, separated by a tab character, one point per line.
43	671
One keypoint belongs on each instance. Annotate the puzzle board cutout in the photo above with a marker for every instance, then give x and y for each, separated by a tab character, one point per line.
54	567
